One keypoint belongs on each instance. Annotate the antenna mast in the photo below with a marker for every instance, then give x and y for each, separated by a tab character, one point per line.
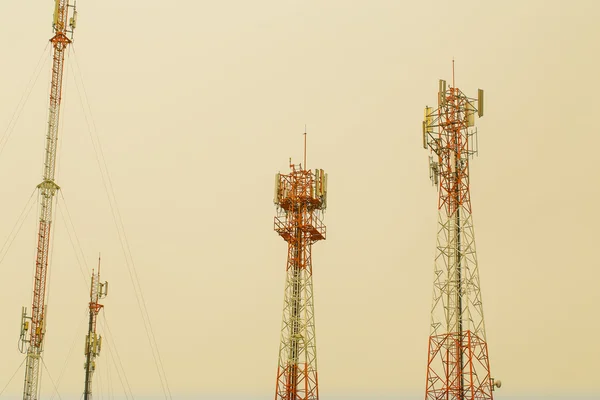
305	166
93	342
301	198
32	337
458	365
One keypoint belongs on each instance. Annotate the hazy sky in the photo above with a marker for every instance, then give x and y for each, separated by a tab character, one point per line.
198	104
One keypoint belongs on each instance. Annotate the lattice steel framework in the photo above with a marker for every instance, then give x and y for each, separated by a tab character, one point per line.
32	338
93	342
458	365
301	198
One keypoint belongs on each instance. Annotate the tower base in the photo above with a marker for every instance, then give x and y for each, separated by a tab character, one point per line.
446	379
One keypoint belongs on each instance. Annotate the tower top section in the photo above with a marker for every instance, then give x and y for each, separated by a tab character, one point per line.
64	20
301	189
455	112
450	134
301	198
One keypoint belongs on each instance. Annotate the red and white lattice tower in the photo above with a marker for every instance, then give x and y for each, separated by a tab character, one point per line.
93	341
32	337
301	198
458	365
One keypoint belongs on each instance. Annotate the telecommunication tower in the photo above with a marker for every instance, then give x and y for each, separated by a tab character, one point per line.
33	327
93	342
458	365
301	199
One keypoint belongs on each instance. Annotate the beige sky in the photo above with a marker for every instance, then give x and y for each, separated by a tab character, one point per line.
199	103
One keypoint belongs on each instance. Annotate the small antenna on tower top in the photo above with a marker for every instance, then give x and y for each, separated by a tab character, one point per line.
453	84
305	146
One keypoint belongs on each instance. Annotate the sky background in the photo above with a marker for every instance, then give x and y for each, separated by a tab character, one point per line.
198	104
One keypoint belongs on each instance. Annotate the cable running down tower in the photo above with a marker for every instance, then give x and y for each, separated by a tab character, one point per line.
32	337
301	199
458	365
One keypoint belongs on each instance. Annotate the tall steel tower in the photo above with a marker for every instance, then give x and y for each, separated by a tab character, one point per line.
93	342
458	365
301	199
32	337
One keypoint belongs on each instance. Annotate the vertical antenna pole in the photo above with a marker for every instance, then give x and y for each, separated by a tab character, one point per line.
305	147
453	83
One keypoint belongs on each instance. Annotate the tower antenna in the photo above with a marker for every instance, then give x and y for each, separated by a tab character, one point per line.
458	365
93	342
453	82
301	198
32	337
305	166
